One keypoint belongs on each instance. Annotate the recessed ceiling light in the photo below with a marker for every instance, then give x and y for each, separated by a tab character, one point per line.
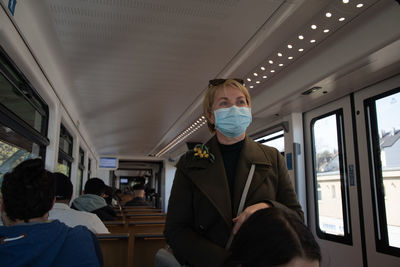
328	14
280	65
326	30
342	19
251	86
257	81
262	68
301	50
359	5
313	26
279	54
301	37
265	77
290	57
272	71
345	1
312	41
248	79
270	62
255	74
289	46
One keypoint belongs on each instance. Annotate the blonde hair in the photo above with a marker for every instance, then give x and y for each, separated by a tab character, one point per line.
208	100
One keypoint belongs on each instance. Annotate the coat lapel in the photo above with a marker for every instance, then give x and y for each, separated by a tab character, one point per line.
251	154
211	180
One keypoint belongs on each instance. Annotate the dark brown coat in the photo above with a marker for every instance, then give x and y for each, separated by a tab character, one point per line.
200	210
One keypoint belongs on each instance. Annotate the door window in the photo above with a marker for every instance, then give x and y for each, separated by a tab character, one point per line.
330	181
383	122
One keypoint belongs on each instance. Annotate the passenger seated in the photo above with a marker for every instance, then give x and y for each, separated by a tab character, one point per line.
93	201
28	238
138	196
62	212
272	237
110	197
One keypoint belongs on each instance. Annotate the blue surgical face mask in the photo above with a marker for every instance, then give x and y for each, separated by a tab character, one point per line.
232	121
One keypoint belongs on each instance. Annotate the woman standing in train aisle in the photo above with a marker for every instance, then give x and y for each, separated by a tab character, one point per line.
210	180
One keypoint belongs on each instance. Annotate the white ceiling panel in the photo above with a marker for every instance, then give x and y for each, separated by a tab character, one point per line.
134	72
136	66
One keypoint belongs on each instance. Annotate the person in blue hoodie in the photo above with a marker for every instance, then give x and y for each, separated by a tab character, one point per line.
28	238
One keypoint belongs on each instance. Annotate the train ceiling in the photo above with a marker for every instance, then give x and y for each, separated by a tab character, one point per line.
136	71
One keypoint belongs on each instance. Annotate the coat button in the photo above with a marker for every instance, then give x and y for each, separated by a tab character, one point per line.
201	227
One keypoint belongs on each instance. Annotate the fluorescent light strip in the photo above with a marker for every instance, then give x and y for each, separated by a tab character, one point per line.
185	133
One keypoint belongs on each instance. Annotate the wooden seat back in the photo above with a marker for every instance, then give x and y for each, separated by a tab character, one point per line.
146	237
142	211
146	247
137	207
116	226
146	217
117	249
146	213
152	227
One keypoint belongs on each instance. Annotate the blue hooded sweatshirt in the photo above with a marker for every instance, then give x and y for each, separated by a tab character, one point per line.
47	244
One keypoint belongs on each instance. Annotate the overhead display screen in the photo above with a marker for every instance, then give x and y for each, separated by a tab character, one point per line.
108	163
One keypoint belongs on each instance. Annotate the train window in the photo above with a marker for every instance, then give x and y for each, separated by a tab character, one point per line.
275	139
330	180
89	172
18	97
81	169
65	158
384	149
23	118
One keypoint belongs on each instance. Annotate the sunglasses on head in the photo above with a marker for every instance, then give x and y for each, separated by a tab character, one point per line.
217	82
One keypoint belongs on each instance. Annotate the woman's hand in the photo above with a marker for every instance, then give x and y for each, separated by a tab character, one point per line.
239	220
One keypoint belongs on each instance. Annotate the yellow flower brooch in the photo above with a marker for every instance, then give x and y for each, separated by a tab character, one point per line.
201	151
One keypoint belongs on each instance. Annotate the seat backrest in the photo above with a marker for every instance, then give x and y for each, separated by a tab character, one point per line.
137	207
146	217
151	227
142	211
116	248
146	247
116	226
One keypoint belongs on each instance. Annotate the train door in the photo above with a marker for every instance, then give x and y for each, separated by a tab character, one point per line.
332	188
377	110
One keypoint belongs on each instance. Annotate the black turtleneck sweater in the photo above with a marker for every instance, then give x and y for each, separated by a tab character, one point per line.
230	155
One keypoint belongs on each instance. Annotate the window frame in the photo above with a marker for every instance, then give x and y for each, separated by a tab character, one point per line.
89	172
25	89
12	120
376	179
81	163
347	238
81	168
63	155
264	140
